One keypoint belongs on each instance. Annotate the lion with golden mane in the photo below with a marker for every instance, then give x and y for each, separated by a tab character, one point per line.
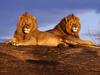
69	28
27	33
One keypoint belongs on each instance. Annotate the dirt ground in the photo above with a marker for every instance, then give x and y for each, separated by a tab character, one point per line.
43	60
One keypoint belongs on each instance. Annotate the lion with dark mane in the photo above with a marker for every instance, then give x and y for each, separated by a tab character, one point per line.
69	28
27	33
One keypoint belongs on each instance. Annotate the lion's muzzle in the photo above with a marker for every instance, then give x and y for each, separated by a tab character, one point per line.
26	30
75	29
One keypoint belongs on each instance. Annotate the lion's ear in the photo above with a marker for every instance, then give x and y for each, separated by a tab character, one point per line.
78	19
19	17
34	17
66	19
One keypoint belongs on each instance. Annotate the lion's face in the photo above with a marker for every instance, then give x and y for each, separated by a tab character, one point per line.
71	24
26	26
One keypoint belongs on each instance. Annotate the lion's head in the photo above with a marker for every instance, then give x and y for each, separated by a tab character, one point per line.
70	25
25	27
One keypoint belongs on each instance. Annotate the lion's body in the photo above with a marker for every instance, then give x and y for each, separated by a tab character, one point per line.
42	38
68	29
46	38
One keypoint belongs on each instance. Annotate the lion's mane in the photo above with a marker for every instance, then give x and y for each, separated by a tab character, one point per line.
19	34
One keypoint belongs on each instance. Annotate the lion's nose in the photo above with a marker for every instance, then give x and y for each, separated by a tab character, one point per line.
74	29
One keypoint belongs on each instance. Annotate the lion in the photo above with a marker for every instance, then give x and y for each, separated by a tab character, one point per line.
27	33
26	26
69	28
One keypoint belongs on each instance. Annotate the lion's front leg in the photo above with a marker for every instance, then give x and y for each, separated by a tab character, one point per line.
63	44
70	42
31	41
11	41
84	42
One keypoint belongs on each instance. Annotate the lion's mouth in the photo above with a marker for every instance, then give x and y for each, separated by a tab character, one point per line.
74	29
26	30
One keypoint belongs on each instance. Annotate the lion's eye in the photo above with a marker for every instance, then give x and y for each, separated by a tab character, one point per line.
72	24
23	23
68	20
